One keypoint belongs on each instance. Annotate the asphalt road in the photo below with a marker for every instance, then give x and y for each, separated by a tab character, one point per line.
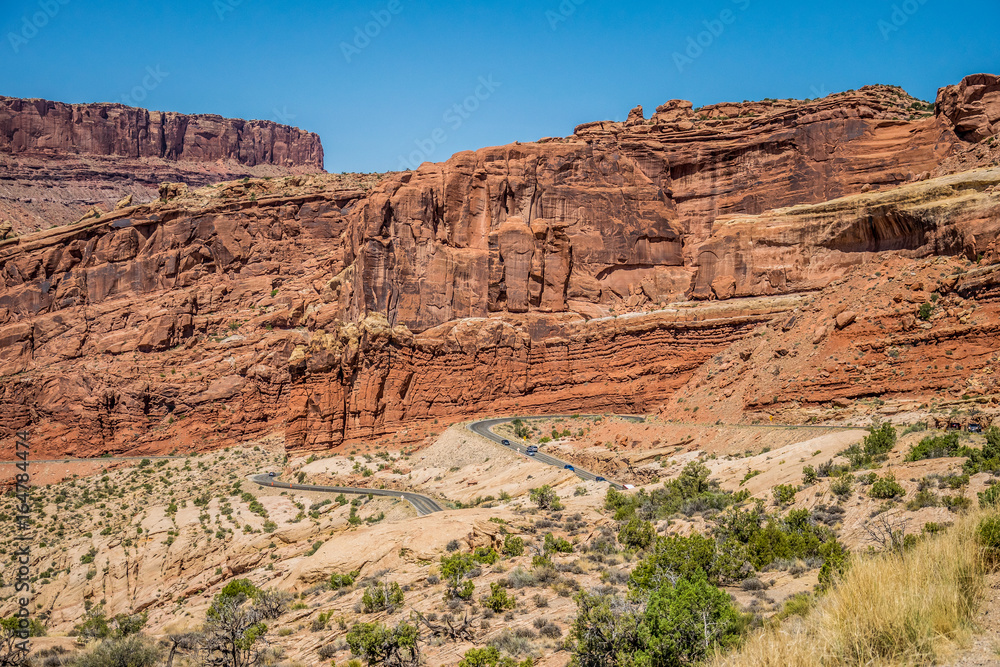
485	429
422	504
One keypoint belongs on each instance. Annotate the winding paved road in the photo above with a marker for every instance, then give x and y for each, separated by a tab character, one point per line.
485	428
423	504
426	505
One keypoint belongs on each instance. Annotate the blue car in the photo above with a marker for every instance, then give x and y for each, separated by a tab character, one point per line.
600	479
505	443
569	467
271	474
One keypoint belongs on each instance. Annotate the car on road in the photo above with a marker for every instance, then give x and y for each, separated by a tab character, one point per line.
505	442
271	474
954	426
600	479
569	467
532	449
975	428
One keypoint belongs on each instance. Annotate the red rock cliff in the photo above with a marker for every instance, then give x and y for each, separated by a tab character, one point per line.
526	277
59	160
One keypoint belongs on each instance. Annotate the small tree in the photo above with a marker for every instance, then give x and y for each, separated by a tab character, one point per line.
546	498
513	546
380	645
131	651
498	600
235	633
636	534
784	494
382	596
454	569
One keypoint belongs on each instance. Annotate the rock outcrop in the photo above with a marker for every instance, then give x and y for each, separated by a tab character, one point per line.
532	277
57	160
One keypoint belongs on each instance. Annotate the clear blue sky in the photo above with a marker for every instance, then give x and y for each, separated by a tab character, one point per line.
554	64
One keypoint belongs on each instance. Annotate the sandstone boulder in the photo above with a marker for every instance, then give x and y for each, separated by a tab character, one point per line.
846	318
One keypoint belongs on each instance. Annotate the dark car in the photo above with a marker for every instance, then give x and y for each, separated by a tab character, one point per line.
569	467
505	443
600	479
954	426
975	428
271	474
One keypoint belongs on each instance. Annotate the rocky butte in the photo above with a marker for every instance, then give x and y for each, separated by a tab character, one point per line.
598	271
59	161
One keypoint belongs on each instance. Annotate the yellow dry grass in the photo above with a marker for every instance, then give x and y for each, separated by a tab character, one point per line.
888	609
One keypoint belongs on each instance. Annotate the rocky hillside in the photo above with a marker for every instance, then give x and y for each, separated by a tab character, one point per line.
567	274
59	160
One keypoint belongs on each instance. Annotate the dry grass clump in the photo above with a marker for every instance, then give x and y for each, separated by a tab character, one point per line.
888	609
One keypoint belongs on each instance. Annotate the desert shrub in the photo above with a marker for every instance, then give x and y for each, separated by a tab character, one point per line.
923	498
381	645
132	651
691	492
956	503
343	580
990	497
988	533
885	488
382	596
498	600
784	494
841	486
925	310
552	544
935	447
986	459
455	569
636	534
490	657
809	475
753	584
676	556
453	545
545	497
513	546
873	449
520	578
675	623
485	555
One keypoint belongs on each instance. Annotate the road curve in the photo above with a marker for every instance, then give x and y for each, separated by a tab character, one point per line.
484	428
422	504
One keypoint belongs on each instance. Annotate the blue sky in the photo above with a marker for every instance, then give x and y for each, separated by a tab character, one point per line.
516	70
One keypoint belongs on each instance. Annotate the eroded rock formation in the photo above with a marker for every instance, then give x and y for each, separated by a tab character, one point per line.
57	160
531	277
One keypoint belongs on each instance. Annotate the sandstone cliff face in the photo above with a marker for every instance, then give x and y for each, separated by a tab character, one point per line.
117	130
532	277
58	160
621	215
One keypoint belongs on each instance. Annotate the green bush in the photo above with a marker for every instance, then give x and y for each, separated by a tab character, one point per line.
513	546
990	497
691	492
454	570
485	555
382	596
988	533
545	497
925	311
935	447
133	651
490	657
986	459
498	600
381	645
841	486
784	494
809	475
873	449
636	534
885	488
552	544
